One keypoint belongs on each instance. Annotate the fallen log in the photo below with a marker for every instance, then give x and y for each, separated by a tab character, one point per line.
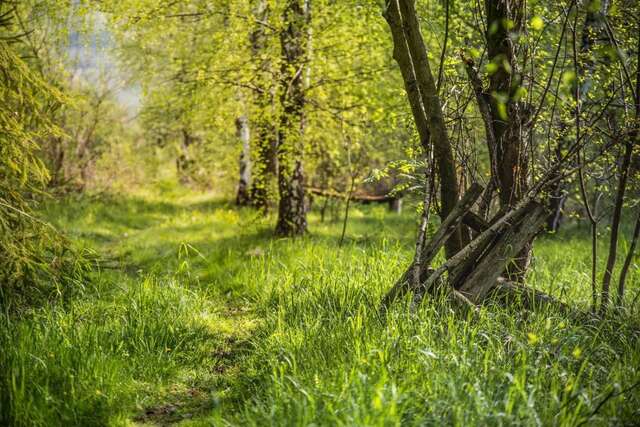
475	269
356	197
487	271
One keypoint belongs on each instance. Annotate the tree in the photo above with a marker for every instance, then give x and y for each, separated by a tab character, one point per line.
510	106
36	262
243	197
294	35
265	140
411	54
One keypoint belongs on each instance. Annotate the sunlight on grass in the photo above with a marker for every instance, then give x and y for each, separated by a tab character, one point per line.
198	316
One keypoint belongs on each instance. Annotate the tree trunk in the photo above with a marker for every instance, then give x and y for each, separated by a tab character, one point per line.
630	140
183	161
557	193
627	262
292	219
395	205
505	117
265	164
509	116
57	157
411	55
615	226
242	131
557	199
83	159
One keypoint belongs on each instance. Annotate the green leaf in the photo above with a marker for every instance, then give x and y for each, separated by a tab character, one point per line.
537	24
491	68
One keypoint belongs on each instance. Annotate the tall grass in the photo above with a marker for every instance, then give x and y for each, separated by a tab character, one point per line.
325	357
200	317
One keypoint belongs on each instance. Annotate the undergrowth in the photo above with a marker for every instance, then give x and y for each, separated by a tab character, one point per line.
197	315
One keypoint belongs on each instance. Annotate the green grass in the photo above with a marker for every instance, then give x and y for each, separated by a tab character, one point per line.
197	315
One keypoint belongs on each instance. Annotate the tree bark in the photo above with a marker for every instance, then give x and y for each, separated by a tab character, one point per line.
292	219
508	245
265	163
243	134
411	54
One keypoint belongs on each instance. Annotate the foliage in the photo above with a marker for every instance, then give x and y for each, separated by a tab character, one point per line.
35	261
198	73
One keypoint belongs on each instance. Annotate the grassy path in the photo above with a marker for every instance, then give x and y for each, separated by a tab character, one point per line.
179	286
199	317
174	265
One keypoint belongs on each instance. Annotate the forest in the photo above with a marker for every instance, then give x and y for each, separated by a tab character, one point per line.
319	212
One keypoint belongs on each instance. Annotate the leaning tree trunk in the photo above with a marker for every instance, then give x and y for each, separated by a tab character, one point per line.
292	219
242	131
409	51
